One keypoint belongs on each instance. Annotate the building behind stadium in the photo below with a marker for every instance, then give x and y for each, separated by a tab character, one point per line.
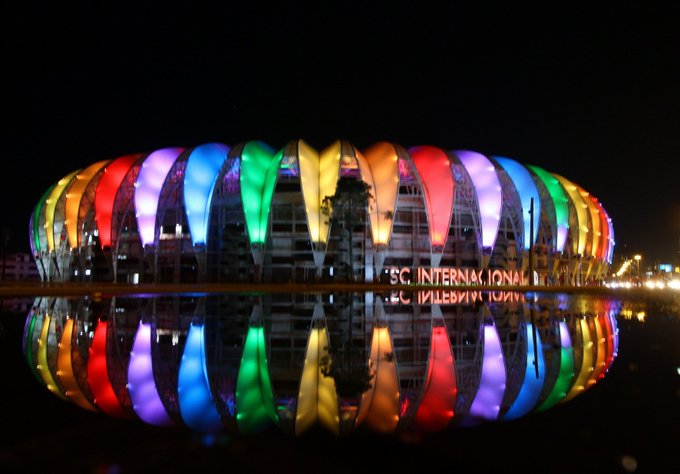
250	213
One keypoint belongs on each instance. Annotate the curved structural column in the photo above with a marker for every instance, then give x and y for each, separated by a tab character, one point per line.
200	177
74	201
317	399
255	407
566	372
488	191
65	368
38	235
436	408
259	171
319	174
561	203
587	366
196	403
581	208
43	365
380	405
105	195
148	187
141	383
534	377
528	192
98	374
434	169
487	402
50	210
379	166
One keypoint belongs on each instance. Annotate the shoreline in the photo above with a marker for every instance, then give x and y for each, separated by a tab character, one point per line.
113	289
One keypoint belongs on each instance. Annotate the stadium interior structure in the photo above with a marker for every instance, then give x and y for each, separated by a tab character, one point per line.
248	213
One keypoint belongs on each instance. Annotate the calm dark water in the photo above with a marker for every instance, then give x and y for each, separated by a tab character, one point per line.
626	422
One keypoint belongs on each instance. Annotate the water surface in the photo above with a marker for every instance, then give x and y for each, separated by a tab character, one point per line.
420	371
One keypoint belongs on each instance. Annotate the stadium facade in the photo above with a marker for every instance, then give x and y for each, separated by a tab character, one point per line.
249	213
245	363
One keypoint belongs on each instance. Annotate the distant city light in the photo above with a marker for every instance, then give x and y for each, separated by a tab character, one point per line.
624	268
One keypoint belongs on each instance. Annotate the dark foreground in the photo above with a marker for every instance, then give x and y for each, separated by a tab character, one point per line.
630	422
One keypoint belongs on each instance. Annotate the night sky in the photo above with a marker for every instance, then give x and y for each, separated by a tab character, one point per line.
592	94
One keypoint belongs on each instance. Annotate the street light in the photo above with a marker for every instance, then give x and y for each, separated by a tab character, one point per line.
637	258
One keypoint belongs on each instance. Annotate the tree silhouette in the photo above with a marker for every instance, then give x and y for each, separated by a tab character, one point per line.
6	235
346	209
349	372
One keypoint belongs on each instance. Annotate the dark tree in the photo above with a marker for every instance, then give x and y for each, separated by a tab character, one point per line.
349	371
348	205
5	237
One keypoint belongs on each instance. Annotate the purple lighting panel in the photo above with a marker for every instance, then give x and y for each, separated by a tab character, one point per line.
488	191
487	402
142	387
155	169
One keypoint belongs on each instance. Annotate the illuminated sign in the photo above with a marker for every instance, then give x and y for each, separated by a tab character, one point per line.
452	297
450	276
666	267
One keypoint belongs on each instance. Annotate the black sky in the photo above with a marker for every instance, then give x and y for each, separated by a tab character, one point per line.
592	94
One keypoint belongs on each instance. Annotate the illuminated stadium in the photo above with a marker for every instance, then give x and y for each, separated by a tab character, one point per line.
344	363
250	213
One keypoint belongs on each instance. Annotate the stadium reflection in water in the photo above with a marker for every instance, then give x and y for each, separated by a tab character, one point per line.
387	363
